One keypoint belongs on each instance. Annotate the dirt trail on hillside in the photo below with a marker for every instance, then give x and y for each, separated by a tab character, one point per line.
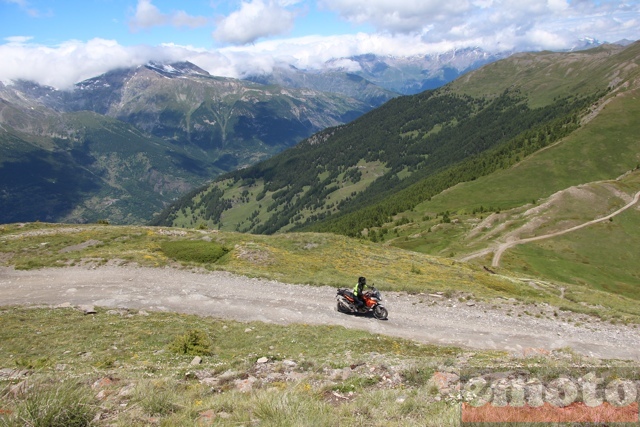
224	295
502	247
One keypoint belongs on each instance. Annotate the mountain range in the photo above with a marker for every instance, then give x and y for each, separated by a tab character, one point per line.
395	74
122	145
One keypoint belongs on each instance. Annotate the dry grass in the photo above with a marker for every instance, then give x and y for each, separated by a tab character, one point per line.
119	369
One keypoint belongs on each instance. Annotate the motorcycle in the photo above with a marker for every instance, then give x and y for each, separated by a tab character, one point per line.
372	303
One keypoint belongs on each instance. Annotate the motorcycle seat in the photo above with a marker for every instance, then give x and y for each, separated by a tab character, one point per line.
345	292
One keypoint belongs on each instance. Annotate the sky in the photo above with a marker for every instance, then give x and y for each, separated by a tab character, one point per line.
62	42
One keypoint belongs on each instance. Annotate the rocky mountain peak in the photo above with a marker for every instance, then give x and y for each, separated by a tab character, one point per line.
177	69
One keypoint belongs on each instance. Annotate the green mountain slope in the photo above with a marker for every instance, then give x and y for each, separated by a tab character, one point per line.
358	176
123	145
105	170
588	175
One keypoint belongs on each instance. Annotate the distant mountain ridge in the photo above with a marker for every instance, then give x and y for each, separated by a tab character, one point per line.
141	136
394	74
405	75
173	100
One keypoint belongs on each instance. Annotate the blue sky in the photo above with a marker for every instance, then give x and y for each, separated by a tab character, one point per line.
60	42
154	22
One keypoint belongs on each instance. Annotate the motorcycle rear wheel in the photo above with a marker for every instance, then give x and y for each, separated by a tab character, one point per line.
342	308
380	313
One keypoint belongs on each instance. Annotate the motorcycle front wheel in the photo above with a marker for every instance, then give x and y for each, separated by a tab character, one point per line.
380	313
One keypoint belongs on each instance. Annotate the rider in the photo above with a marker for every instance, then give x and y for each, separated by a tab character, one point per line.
357	291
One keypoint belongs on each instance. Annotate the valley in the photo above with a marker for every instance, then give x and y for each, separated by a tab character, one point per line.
121	146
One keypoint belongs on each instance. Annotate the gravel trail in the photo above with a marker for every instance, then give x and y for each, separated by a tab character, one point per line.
504	246
224	295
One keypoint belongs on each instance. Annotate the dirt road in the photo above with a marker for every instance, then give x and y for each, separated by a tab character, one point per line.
223	295
504	246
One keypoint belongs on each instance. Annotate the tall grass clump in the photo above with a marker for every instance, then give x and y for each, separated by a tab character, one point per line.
53	404
293	409
158	398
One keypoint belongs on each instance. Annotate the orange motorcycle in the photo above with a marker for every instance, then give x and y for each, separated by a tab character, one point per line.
372	303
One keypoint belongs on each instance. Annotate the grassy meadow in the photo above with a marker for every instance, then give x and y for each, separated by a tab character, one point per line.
129	368
122	369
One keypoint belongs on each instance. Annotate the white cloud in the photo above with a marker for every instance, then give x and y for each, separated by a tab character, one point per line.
147	16
313	52
25	6
255	19
484	20
182	19
18	39
63	65
495	25
396	16
345	64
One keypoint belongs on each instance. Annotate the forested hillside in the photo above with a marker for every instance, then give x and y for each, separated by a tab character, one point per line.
358	176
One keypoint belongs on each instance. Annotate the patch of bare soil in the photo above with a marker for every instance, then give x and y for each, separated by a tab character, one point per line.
81	246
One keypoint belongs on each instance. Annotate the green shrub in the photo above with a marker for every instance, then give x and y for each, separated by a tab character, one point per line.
194	343
198	251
